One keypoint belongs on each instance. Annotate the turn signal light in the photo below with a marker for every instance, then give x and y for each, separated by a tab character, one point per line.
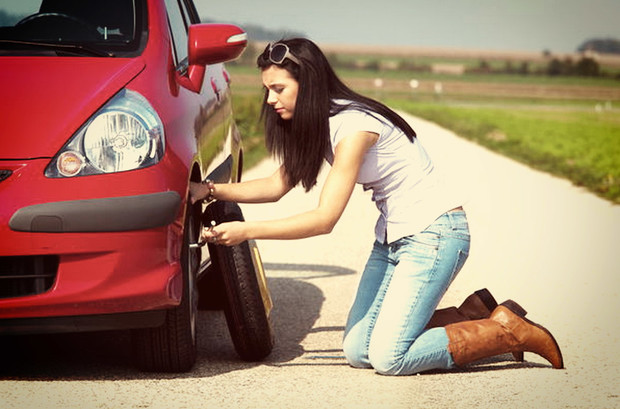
70	163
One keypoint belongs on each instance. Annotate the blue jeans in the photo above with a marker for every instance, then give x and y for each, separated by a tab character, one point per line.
400	289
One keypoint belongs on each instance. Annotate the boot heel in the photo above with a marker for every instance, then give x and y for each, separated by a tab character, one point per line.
515	308
487	298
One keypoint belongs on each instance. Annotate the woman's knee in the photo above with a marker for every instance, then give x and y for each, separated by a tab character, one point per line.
355	352
382	360
385	362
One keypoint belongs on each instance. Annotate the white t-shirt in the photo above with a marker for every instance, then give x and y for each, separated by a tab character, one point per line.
407	188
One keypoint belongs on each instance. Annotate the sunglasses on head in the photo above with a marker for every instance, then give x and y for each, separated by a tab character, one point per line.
278	52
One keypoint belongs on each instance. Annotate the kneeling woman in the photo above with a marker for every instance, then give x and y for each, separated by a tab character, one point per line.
422	236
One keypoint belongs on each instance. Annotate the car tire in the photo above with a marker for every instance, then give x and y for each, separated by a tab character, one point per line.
172	347
247	303
212	295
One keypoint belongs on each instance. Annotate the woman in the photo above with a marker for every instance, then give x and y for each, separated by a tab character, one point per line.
422	236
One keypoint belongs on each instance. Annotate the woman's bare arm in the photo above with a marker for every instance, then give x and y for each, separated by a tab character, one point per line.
348	158
269	189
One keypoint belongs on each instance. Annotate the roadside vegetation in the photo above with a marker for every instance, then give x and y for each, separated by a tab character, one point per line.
564	124
247	107
581	145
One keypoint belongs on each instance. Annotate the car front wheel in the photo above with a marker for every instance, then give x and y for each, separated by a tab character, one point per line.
247	302
172	347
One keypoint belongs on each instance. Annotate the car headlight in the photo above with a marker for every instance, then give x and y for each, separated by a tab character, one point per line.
125	134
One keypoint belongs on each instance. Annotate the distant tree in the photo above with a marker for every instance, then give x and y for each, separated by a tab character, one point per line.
524	68
601	45
411	65
484	66
373	65
568	67
555	67
587	67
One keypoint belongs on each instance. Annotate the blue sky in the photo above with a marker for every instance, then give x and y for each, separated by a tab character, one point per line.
512	25
523	25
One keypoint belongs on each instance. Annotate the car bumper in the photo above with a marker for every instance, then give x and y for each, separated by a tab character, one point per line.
82	323
99	215
88	257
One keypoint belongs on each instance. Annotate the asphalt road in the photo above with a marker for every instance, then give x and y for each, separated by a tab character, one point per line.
536	239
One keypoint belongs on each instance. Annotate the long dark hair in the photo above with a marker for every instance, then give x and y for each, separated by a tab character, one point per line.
302	142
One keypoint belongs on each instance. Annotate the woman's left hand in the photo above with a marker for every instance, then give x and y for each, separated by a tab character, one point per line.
227	234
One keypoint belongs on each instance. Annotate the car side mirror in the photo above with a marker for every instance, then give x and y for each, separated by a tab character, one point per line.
211	44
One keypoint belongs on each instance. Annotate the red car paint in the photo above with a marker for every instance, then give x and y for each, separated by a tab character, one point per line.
45	101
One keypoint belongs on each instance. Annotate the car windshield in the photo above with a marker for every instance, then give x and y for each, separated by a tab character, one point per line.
72	27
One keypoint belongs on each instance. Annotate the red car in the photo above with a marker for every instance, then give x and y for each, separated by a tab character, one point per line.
109	109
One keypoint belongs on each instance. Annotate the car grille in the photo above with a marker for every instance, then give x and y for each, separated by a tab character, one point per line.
4	174
27	275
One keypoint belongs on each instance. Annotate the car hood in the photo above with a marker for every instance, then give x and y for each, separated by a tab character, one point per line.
44	100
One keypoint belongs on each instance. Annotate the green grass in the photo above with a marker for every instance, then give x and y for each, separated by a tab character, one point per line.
582	146
247	116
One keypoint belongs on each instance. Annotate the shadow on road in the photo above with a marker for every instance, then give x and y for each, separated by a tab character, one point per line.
309	271
106	355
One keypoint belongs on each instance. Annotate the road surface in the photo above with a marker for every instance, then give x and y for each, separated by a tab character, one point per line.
537	239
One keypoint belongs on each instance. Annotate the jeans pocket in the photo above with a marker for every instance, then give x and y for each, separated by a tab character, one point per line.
425	238
461	234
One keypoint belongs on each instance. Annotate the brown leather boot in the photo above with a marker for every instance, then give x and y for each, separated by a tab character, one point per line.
504	331
476	306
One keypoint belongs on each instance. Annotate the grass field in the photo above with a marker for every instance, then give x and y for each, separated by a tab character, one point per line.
569	127
580	145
